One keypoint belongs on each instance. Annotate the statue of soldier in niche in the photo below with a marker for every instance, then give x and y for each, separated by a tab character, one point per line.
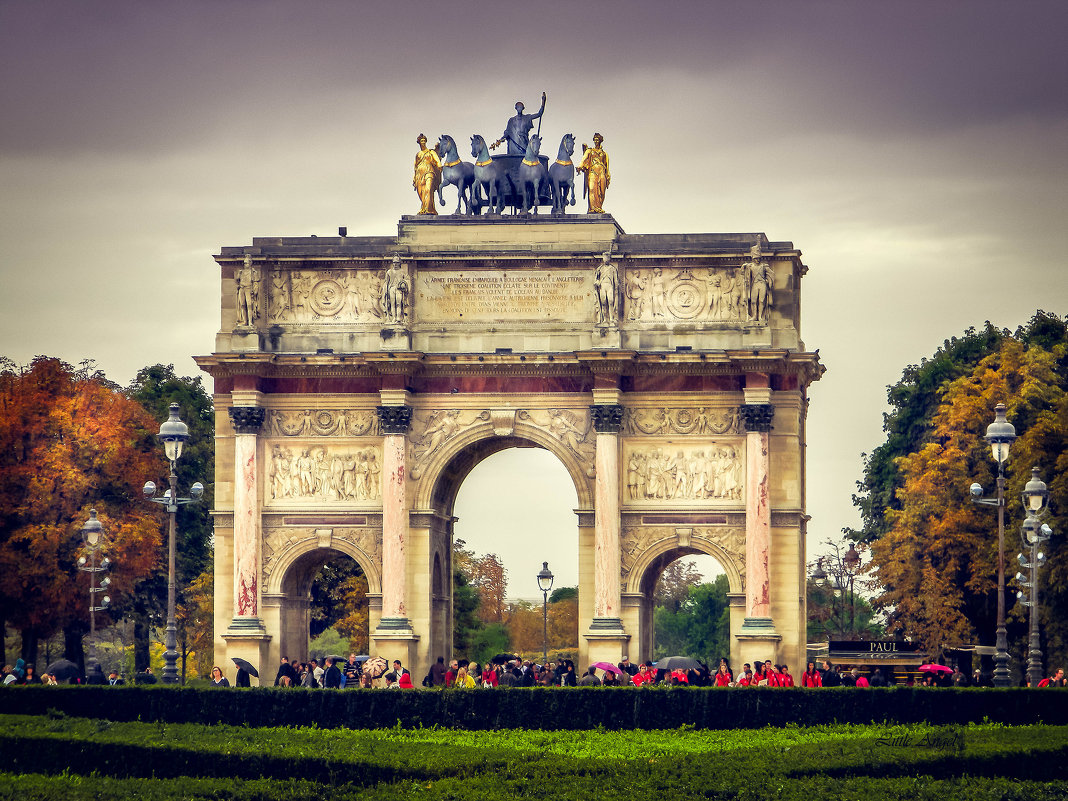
606	282
517	130
394	288
245	285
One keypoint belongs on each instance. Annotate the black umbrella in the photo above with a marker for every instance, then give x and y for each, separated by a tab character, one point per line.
246	666
504	659
63	670
678	663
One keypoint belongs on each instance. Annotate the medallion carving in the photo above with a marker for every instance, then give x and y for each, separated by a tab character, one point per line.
713	471
312	472
330	296
703	420
277	541
635	541
711	294
322	423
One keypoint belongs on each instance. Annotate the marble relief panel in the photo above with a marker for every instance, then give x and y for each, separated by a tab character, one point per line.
709	472
321	423
700	420
707	294
325	296
303	472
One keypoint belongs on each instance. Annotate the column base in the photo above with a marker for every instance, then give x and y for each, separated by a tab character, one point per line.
758	640
759	627
606	641
395	643
389	626
246	627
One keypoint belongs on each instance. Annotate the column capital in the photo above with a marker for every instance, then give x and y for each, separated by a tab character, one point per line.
757	416
607	418
394	419
247	419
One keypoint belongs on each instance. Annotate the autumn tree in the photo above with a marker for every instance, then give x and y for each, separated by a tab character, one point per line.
937	559
195	621
69	441
673	586
156	387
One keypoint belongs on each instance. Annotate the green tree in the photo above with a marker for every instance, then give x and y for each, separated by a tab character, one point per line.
156	388
700	627
936	559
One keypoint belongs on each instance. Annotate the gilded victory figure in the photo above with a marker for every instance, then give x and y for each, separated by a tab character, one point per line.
427	175
597	176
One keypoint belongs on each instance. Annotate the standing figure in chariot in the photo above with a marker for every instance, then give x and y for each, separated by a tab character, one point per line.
517	129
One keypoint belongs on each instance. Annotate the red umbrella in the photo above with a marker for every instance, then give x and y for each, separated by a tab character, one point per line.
935	669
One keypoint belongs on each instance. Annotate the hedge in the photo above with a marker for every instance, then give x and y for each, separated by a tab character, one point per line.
544	708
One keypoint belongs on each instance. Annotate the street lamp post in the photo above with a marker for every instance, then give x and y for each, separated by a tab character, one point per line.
545	583
851	560
173	434
1000	434
1033	533
93	536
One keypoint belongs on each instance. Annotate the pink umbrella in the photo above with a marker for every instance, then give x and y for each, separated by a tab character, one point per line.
608	667
935	669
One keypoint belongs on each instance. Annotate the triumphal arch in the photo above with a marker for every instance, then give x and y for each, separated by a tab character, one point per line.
359	379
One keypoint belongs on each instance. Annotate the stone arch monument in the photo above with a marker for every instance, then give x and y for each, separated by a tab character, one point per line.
672	391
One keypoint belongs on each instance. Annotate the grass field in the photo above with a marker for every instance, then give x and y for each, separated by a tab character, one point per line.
56	757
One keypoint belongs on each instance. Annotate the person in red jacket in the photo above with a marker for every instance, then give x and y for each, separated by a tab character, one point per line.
723	678
773	674
759	677
643	676
787	679
745	679
811	677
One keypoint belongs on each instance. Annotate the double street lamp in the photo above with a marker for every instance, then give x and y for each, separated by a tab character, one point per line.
545	583
1000	434
1033	533
848	566
93	536
173	434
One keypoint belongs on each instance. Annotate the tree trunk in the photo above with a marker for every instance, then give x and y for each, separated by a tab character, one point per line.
29	646
141	643
73	649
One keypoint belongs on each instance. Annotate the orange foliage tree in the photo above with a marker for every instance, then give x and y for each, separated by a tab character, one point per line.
937	562
69	441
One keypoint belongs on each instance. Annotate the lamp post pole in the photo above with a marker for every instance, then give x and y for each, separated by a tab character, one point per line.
1000	434
93	535
851	560
173	434
1033	533
545	583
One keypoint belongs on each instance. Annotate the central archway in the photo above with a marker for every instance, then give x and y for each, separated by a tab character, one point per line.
433	518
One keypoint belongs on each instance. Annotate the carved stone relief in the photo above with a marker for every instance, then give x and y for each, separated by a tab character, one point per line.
711	294
426	436
696	472
572	427
279	540
637	540
330	296
322	423
702	420
301	472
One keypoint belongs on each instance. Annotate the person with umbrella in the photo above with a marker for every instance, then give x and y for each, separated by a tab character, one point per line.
244	670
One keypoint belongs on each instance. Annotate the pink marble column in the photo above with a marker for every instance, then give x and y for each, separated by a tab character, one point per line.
757	513
394	421
607	420
247	421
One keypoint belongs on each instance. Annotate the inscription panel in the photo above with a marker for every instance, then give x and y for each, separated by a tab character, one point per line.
504	295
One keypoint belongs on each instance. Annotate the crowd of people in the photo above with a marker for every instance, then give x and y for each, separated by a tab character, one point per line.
340	674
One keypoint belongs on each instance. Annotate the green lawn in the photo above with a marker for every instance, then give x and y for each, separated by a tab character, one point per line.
56	757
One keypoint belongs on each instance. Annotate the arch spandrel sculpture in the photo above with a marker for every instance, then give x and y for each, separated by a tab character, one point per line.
666	373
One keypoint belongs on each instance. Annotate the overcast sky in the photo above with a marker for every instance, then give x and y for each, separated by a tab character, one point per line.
916	153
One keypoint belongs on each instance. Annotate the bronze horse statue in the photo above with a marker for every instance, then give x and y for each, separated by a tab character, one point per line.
491	176
562	175
532	175
454	172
